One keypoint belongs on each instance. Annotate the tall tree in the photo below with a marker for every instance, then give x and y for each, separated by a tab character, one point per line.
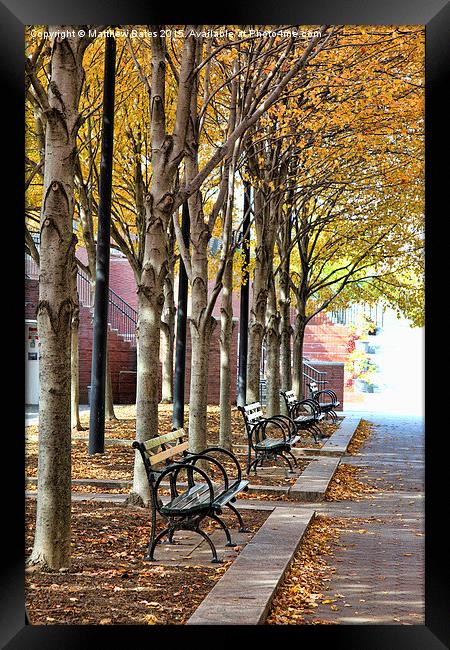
60	104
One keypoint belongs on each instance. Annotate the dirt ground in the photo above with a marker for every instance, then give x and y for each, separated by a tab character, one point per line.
109	582
116	463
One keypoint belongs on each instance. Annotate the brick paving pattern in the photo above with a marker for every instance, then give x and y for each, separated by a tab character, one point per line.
380	573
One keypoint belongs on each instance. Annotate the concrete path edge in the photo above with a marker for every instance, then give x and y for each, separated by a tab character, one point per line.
243	595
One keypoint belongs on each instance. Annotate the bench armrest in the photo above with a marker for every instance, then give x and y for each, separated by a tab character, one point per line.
274	419
329	392
202	456
311	404
286	422
172	472
229	454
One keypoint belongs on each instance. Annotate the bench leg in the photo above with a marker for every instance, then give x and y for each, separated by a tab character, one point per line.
151	548
293	458
253	464
169	539
242	528
215	559
288	462
315	430
225	528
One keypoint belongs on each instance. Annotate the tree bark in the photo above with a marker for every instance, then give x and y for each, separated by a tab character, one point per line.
265	223
297	354
168	329
273	353
226	334
285	321
167	153
52	536
109	398
74	358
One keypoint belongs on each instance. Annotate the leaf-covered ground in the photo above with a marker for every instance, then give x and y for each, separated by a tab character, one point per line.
116	463
109	582
346	483
362	433
307	583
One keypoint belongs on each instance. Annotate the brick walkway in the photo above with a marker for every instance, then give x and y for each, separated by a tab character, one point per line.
380	573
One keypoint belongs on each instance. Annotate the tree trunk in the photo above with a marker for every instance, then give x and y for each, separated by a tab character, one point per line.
74	359
226	334
109	398
52	537
168	339
257	323
75	390
198	401
273	354
297	371
285	321
201	329
166	154
147	388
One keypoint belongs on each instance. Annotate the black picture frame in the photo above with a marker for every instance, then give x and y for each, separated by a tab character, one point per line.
435	15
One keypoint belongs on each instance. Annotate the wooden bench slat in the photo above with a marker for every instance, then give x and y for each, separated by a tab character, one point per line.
195	496
224	498
168	453
166	437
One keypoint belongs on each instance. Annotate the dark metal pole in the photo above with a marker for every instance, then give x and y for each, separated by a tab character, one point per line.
180	349
100	336
243	312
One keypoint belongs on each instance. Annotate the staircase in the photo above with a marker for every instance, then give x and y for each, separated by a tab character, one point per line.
121	335
122	320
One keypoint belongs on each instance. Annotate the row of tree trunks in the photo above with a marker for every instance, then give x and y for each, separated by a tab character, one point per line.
166	155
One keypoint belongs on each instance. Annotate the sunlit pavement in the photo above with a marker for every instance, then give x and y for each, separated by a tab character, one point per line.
379	562
399	380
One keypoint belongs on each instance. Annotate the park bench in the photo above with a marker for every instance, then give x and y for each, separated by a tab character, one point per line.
200	487
263	446
328	404
305	413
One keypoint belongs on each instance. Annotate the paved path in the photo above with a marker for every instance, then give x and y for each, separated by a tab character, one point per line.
380	572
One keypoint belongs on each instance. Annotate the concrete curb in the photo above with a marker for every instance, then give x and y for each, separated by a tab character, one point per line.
244	593
313	483
337	444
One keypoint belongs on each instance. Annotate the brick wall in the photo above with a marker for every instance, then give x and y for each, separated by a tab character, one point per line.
31	298
121	358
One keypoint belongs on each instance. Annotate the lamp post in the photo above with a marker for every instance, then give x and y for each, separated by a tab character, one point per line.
243	310
180	347
100	335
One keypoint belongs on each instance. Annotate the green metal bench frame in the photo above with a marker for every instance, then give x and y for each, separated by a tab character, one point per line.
263	446
305	413
192	501
331	401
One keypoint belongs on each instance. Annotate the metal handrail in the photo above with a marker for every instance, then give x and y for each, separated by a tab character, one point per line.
350	315
121	315
309	373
